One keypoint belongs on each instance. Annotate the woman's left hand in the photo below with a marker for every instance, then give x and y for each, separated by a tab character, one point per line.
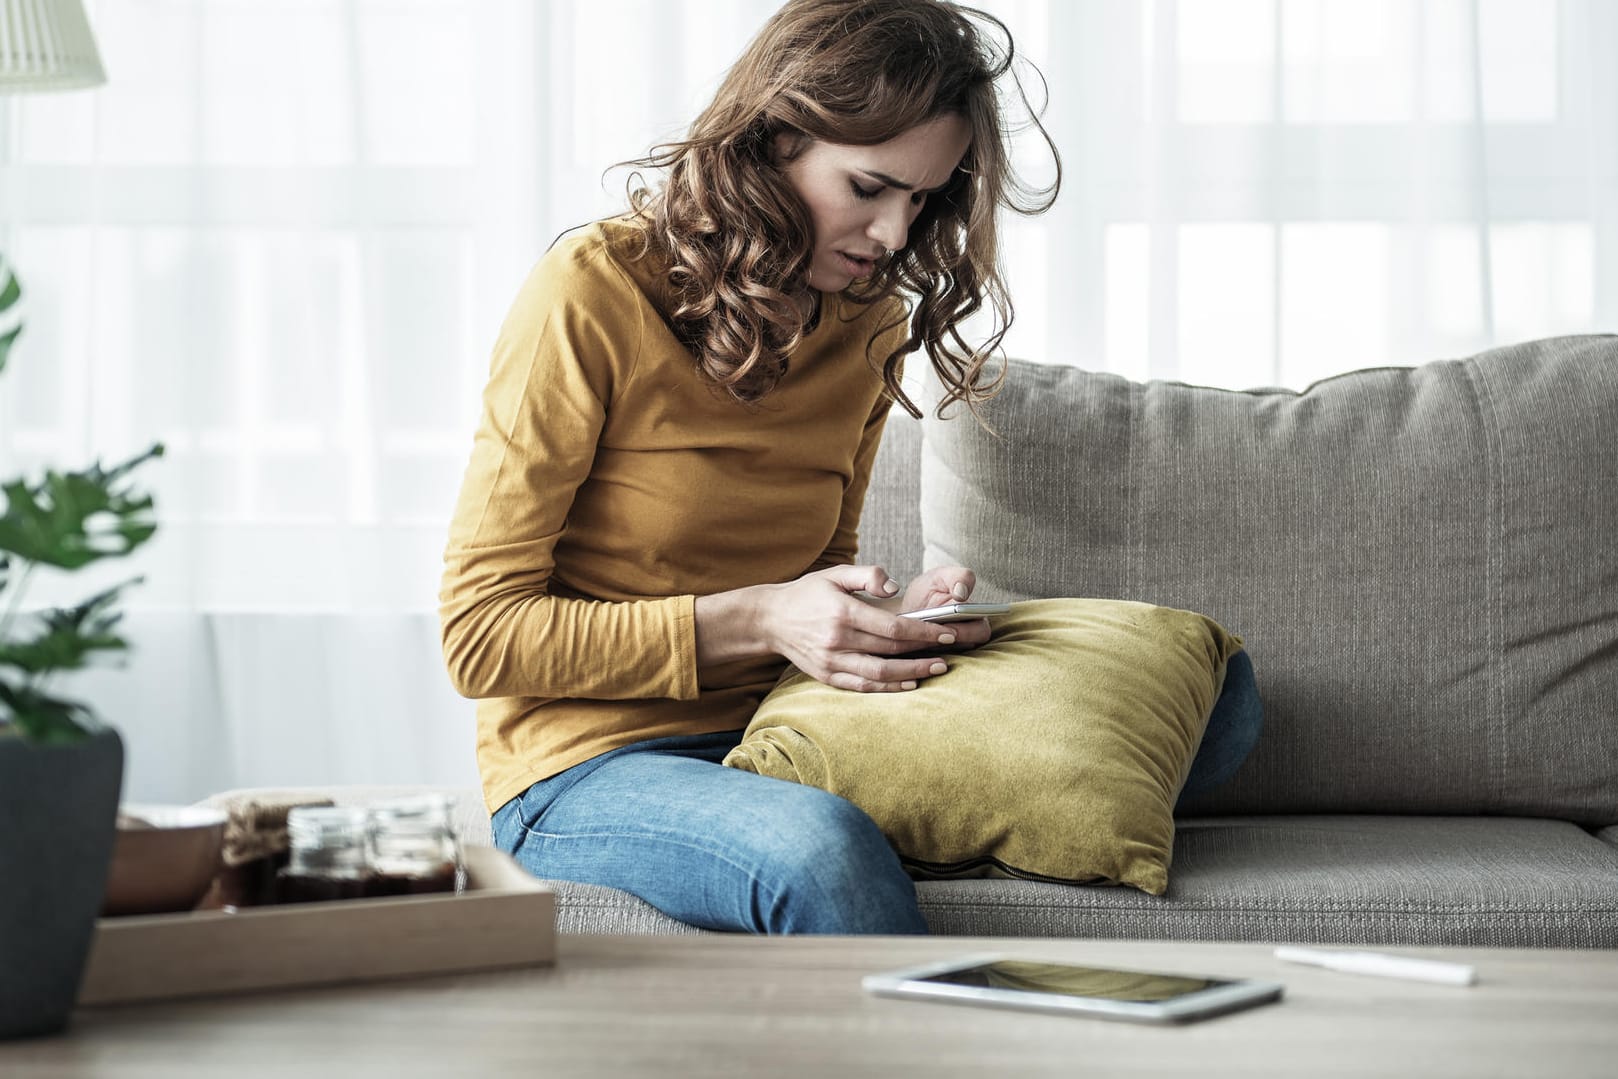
947	584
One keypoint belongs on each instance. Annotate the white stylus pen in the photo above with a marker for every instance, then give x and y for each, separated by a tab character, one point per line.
1383	966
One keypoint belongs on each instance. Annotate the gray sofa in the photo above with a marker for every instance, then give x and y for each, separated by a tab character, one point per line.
1424	565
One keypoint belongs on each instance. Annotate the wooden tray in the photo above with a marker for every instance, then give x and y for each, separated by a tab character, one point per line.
504	918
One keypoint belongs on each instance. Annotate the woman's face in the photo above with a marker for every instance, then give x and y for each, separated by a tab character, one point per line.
862	200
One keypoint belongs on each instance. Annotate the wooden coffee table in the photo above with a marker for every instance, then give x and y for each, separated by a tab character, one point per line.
724	1005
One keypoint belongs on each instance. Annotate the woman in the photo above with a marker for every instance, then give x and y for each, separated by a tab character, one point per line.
666	483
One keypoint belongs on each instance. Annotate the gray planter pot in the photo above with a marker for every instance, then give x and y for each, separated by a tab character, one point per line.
58	816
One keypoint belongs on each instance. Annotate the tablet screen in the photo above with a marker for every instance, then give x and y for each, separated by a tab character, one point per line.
1064	979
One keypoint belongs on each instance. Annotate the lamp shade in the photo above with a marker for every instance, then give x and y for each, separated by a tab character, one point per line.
46	45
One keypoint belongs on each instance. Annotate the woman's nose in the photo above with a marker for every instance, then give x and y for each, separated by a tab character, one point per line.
891	228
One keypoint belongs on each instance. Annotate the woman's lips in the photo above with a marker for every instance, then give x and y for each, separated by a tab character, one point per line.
857	267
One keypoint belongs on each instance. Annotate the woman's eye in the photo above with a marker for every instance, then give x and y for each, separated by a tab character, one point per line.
918	198
861	193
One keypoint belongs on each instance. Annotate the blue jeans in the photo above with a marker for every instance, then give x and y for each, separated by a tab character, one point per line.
725	849
713	846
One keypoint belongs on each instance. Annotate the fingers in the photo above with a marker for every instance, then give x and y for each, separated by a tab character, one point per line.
877	634
868	662
872	579
936	587
881	644
843	680
972	633
957	581
843	642
868	674
894	635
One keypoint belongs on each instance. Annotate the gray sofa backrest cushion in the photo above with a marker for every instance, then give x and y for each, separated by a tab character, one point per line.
1422	561
890	524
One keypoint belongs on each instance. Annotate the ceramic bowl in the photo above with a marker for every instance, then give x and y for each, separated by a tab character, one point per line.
164	858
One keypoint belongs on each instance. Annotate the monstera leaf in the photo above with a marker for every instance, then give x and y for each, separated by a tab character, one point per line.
70	519
66	520
66	640
69	636
10	293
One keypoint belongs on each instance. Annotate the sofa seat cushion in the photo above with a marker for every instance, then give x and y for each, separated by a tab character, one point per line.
1497	882
1372	880
1375	881
592	908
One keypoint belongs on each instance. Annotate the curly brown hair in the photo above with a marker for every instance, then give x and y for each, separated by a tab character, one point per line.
739	240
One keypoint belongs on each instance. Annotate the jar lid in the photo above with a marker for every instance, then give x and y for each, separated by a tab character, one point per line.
306	820
426	809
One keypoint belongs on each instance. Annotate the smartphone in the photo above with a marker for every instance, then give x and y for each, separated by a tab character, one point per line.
1104	992
958	612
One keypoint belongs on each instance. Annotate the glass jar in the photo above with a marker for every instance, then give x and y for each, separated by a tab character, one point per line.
413	847
255	850
329	856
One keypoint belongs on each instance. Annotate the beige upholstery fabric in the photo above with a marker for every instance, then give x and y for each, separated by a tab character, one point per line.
1325	879
1421	563
1375	880
1421	560
890	526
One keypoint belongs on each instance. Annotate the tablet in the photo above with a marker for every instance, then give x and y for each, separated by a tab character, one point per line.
1074	989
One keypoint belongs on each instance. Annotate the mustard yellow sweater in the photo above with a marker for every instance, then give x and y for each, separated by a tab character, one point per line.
609	485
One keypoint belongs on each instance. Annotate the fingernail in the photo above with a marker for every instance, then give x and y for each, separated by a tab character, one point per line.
938	668
907	685
959	591
947	638
889	587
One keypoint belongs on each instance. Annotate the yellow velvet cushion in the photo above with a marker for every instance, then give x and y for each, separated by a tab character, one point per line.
1053	752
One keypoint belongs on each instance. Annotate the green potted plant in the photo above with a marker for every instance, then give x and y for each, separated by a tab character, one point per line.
60	767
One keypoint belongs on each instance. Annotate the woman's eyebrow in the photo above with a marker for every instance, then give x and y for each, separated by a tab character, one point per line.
900	184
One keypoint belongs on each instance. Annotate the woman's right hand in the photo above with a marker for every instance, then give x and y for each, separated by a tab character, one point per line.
831	635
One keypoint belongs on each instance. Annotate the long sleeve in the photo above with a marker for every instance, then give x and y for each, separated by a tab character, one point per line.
610	484
570	342
844	545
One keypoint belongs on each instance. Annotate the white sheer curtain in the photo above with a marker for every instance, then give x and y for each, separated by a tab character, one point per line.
282	237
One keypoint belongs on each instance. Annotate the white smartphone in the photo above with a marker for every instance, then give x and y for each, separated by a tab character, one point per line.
958	612
1105	992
